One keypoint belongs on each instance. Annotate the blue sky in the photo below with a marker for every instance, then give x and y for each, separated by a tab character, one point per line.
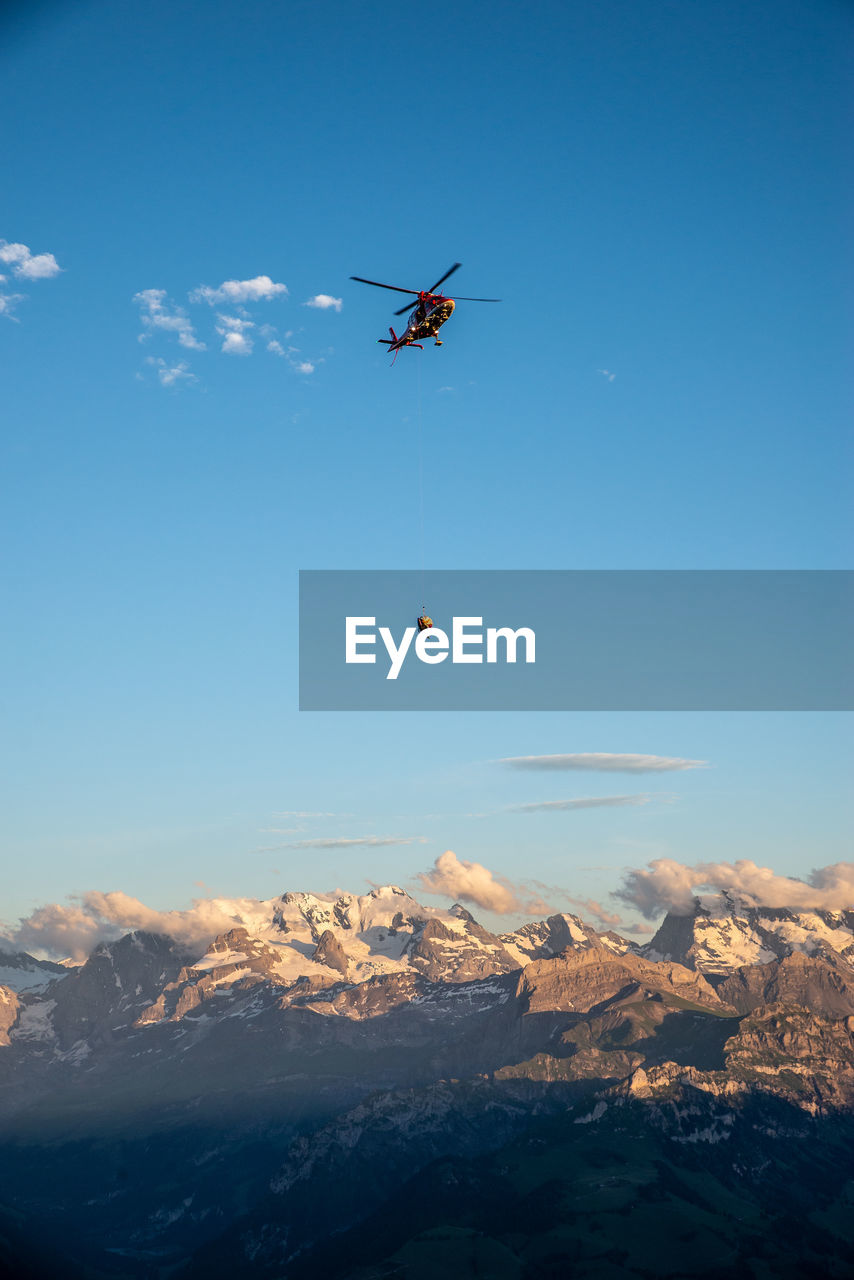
656	190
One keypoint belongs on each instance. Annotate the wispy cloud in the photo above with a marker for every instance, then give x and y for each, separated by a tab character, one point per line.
290	354
261	288
668	885
167	374
347	842
606	373
591	910
236	329
307	813
157	311
452	877
584	802
8	302
604	762
24	265
590	907
325	302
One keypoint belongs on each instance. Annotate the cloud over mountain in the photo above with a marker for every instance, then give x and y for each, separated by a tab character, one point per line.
605	918
454	878
668	885
74	929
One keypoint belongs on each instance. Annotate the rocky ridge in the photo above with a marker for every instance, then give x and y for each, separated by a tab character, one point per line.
325	1050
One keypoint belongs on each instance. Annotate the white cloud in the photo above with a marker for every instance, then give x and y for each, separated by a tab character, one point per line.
234	332
29	266
585	802
667	885
605	762
236	328
13	254
471	882
158	312
325	302
234	291
606	373
43	266
25	266
168	374
236	344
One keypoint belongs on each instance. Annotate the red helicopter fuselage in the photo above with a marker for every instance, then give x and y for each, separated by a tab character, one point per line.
430	312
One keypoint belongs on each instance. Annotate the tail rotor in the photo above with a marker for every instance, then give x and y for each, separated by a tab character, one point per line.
396	344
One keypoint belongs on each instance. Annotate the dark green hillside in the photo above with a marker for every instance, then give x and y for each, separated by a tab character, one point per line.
641	1193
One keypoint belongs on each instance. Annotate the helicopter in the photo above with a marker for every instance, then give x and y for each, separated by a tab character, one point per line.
431	311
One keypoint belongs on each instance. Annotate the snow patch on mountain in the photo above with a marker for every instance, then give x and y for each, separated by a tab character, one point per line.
23	972
34	1022
729	930
321	938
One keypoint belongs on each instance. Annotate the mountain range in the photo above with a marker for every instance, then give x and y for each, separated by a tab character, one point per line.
258	1103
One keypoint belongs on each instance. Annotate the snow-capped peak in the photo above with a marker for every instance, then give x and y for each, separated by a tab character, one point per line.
730	929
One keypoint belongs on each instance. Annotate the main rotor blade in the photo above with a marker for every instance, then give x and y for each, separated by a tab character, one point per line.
450	272
396	287
408	306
